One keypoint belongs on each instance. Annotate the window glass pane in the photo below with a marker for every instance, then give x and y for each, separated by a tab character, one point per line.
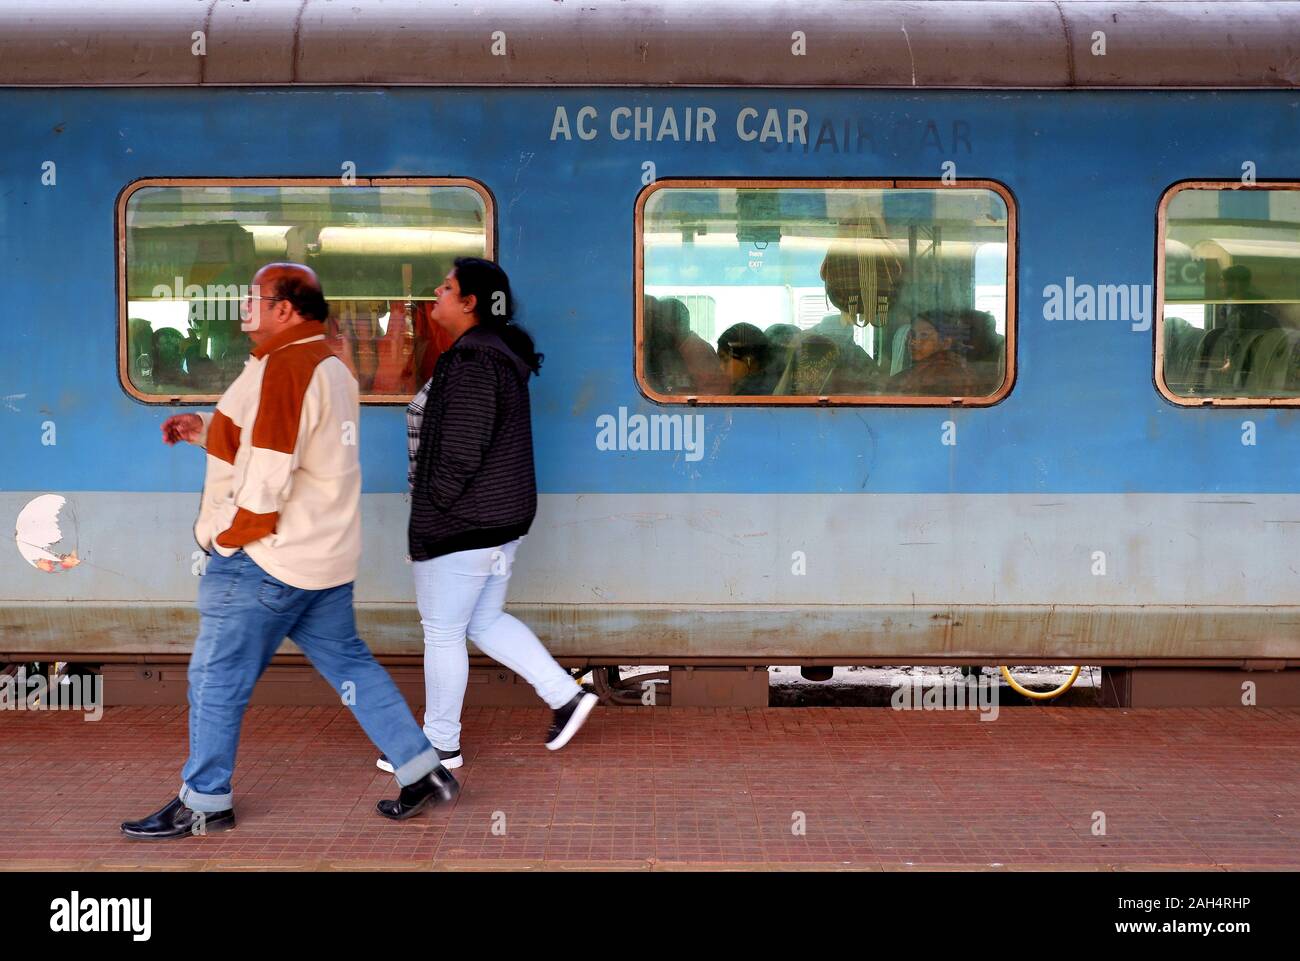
803	292
1230	326
380	252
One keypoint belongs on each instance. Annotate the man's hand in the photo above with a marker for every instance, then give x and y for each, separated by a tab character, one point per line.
186	427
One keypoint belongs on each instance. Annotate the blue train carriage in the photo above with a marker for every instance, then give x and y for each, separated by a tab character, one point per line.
963	333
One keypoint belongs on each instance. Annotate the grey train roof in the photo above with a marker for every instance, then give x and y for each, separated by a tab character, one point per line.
1035	44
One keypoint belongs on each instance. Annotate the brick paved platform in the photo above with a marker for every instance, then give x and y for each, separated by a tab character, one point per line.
664	788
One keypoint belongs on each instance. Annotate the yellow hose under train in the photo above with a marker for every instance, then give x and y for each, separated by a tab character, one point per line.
1041	695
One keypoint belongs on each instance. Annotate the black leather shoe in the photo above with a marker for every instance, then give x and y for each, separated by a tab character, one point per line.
438	786
177	821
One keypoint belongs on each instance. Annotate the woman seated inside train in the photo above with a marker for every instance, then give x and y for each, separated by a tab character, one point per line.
746	359
936	346
678	360
779	339
700	360
987	349
169	356
811	368
665	371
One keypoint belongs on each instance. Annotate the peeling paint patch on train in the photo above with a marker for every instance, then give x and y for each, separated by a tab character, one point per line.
39	534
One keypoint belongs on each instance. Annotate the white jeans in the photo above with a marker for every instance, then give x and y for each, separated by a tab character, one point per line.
460	594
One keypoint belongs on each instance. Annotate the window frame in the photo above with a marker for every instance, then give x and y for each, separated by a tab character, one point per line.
833	400
174	400
1158	321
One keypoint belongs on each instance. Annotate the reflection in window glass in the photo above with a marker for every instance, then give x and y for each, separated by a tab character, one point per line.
824	291
380	252
1231	292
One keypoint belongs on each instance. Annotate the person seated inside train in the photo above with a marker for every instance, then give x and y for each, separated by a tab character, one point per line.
202	374
339	337
665	371
431	341
408	350
700	359
1235	286
811	368
936	347
746	358
394	345
986	353
229	347
1220	360
676	357
168	352
192	345
780	337
139	345
351	330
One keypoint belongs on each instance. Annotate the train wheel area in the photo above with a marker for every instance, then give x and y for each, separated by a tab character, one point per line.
1079	788
929	686
939	685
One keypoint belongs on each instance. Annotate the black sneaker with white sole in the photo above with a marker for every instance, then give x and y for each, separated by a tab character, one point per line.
450	760
570	718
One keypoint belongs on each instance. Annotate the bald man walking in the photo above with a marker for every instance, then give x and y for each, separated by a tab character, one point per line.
280	519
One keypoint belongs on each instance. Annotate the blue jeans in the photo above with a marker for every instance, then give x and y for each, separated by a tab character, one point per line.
460	594
244	614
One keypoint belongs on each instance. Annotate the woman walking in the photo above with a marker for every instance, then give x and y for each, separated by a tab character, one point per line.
473	498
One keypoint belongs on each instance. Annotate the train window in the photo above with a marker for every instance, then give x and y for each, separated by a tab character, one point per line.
817	292
188	249
1228	294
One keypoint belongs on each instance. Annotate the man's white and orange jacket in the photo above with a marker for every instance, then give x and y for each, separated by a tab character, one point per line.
283	473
